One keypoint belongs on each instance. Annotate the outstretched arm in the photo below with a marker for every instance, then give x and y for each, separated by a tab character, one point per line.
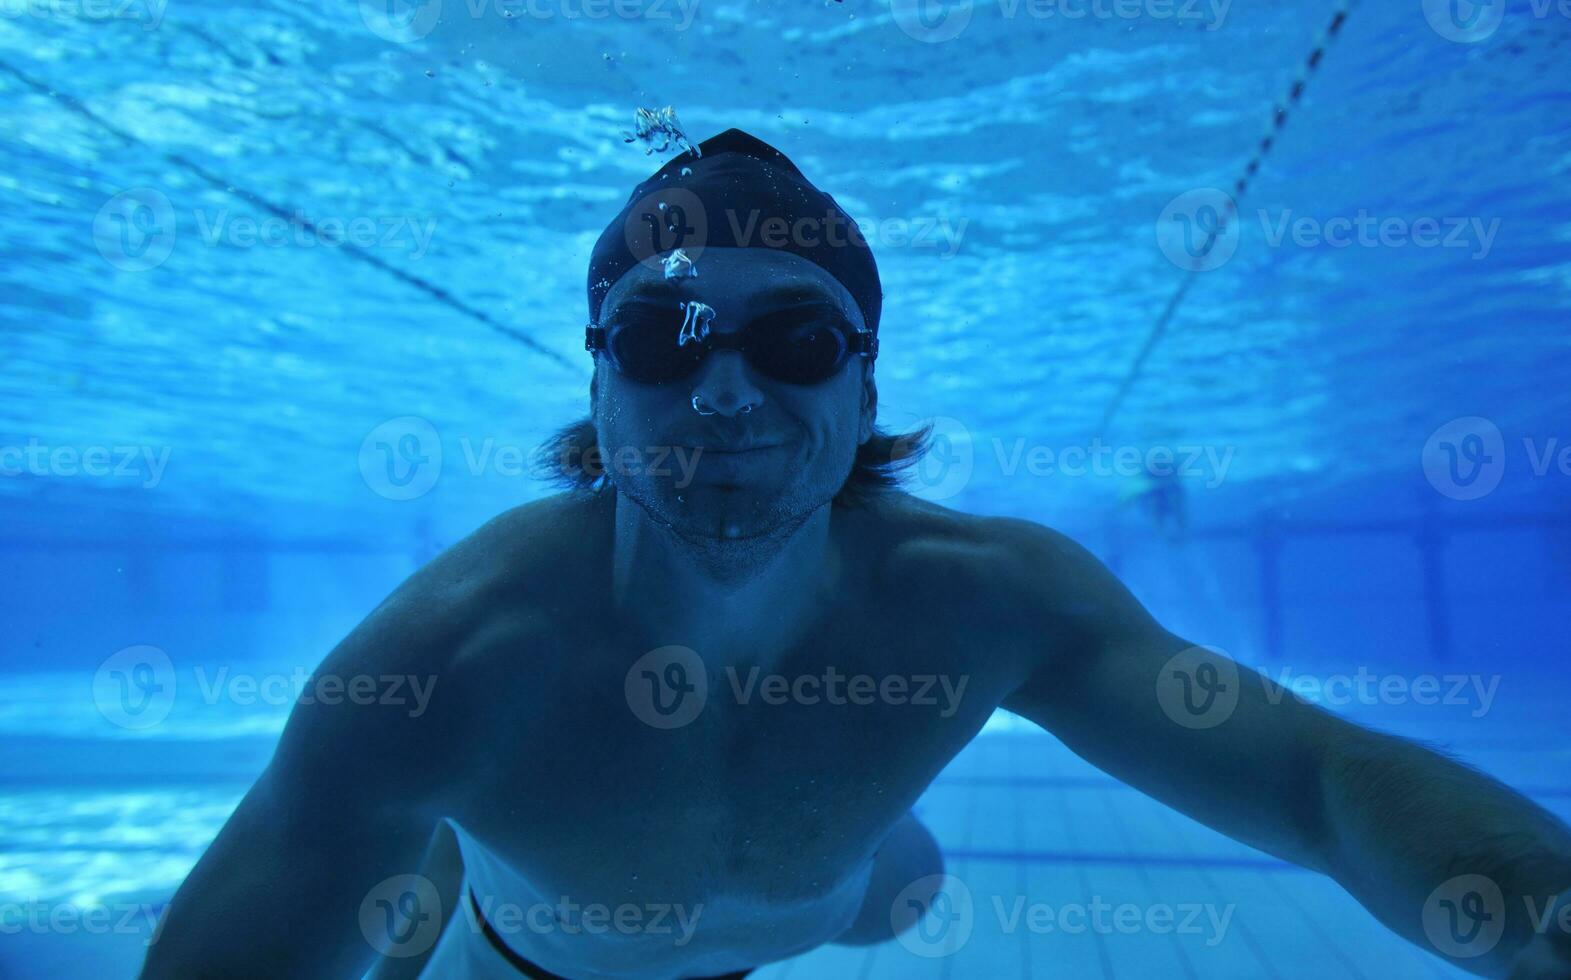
1441	853
329	833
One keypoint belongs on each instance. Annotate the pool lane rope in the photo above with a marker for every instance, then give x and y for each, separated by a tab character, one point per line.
293	217
441	295
1230	211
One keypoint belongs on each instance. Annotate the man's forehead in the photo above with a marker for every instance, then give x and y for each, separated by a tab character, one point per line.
754	292
755	278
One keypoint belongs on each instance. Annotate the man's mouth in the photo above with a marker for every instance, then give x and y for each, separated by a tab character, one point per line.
737	450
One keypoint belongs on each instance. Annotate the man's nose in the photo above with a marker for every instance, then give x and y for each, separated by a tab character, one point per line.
724	385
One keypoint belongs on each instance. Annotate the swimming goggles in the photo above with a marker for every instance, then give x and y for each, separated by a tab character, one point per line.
800	345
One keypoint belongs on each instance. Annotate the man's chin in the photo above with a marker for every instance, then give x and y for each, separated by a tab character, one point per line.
720	511
727	511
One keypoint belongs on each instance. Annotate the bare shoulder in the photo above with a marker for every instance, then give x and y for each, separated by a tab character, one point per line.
1012	556
445	636
1014	581
509	573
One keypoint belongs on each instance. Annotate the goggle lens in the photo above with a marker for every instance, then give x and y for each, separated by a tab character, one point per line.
793	346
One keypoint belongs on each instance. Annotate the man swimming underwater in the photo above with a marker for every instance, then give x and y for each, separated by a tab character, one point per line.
636	724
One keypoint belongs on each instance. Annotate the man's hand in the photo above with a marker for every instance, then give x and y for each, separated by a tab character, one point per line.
1548	955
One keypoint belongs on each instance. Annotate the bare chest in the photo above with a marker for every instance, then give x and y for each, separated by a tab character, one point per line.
669	773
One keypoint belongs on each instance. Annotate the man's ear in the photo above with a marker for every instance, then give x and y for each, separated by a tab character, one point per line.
594	388
869	407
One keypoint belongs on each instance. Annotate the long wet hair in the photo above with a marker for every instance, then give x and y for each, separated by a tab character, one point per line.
572	459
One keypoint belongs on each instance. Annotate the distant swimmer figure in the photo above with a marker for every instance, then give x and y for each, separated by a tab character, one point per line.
1160	495
680	712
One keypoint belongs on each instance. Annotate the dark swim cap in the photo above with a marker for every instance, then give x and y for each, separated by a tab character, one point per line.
739	192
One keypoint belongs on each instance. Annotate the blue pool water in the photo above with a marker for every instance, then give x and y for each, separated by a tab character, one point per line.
247	246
